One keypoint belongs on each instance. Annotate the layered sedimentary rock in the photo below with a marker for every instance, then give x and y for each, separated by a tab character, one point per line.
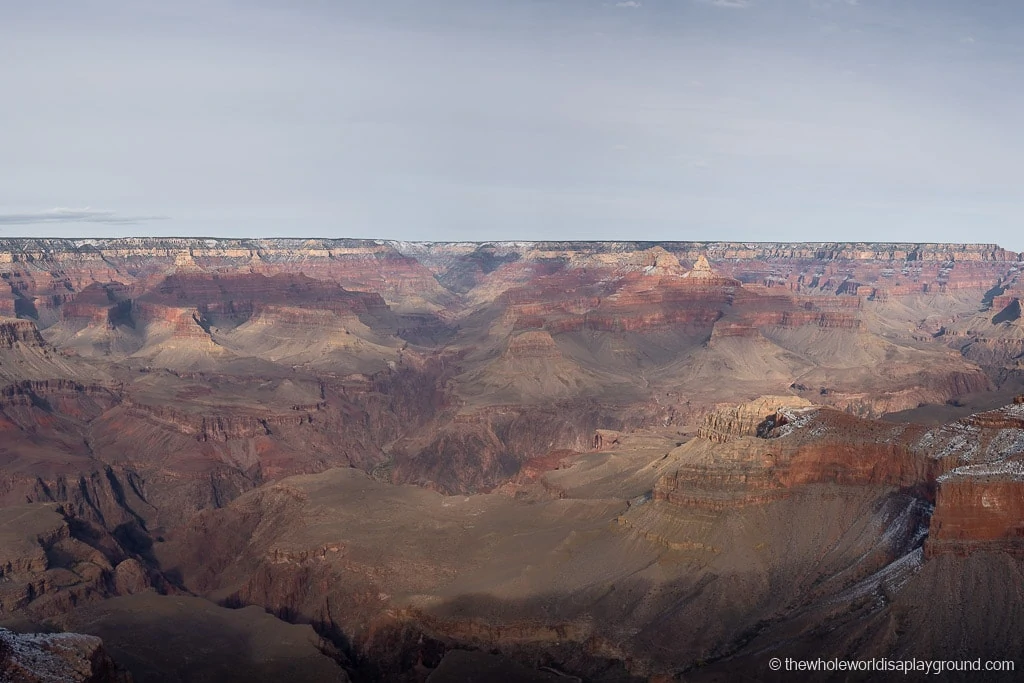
755	418
405	268
807	517
979	503
51	562
24	354
376	264
980	507
764	451
14	332
665	431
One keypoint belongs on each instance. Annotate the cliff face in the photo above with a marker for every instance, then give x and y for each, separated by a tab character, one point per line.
764	451
51	561
979	509
979	503
19	332
755	418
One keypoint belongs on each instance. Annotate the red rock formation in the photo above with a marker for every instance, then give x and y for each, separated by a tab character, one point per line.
224	427
183	322
101	305
979	508
728	421
980	503
726	467
533	344
19	332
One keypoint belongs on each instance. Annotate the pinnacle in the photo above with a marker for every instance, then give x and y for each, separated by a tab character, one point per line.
701	269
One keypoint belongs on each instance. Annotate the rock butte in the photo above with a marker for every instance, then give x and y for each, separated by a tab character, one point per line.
608	461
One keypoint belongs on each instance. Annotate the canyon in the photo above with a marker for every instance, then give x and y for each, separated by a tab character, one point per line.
361	460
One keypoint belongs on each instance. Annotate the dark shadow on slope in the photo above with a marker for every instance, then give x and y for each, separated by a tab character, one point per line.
1009	314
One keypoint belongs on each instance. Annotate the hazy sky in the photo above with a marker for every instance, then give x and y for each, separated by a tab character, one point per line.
535	119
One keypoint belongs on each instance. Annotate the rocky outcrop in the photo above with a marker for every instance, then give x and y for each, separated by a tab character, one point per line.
185	323
98	304
50	562
980	502
533	344
606	439
67	397
56	658
979	508
747	419
701	270
223	427
763	451
14	333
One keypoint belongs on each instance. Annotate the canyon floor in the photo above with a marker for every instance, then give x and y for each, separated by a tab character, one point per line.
361	460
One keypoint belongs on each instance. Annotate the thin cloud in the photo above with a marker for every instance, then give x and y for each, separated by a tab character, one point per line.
85	215
829	4
631	4
731	4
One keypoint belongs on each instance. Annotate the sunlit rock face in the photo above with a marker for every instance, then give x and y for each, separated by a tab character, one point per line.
979	504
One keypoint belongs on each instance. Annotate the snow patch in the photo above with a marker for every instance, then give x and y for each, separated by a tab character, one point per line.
799	418
1006	442
892	577
1012	469
51	657
958	440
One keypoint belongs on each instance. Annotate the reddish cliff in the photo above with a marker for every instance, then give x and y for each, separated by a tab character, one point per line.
980	503
980	508
19	332
726	466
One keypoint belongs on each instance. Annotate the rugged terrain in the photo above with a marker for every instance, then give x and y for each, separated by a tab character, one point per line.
600	461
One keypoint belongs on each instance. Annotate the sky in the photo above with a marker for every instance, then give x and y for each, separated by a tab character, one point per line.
748	120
